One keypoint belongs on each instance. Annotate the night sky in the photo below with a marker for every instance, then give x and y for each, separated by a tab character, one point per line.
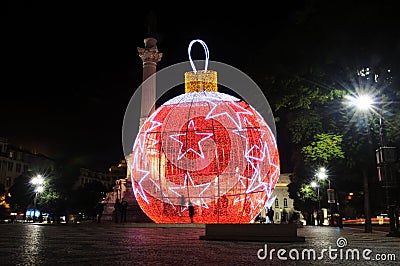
70	68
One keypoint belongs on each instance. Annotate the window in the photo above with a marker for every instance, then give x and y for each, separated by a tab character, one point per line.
25	168
285	203
10	166
276	203
18	168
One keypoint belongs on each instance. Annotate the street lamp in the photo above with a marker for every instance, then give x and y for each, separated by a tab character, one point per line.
37	181
364	103
315	184
322	175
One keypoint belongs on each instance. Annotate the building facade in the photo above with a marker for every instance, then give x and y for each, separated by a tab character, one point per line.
108	179
281	204
17	161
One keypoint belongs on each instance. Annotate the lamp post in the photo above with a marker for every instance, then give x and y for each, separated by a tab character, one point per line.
322	175
37	182
384	157
315	184
364	103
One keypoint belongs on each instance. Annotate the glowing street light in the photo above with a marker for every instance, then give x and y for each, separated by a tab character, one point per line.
314	184
362	102
322	175
38	182
39	189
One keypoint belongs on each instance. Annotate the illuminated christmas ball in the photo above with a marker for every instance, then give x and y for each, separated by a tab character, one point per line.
206	149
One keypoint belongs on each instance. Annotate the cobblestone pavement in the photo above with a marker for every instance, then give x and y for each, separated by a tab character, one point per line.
140	244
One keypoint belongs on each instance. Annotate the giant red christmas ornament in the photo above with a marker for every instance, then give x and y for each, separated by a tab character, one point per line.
206	149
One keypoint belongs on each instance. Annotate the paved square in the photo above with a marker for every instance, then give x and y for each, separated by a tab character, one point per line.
141	244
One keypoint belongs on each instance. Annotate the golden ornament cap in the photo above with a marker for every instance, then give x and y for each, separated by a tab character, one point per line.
201	80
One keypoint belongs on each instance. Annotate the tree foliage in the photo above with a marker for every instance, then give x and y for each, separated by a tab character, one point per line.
324	148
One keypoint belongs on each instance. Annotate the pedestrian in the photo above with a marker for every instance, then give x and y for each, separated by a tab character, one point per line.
318	217
191	211
117	209
182	204
321	217
271	215
100	210
124	207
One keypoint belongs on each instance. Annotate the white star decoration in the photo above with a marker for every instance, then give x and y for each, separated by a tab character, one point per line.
187	189
191	127
143	174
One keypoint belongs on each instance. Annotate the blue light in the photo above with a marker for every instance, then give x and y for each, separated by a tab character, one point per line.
31	212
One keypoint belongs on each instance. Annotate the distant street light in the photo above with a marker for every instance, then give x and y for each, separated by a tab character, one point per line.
38	182
322	175
315	184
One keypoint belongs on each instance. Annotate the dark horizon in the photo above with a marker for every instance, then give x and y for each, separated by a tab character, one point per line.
71	69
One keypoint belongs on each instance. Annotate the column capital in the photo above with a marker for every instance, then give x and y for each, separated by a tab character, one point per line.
149	54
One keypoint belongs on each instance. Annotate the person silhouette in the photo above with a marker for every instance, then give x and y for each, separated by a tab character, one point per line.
100	210
271	215
191	211
124	207
117	209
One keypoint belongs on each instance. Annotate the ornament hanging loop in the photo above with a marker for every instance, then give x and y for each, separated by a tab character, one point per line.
207	53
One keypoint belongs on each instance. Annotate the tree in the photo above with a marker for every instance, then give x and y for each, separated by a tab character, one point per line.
86	198
21	194
51	200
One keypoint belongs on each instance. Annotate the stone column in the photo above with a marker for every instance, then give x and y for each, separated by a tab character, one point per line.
150	57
